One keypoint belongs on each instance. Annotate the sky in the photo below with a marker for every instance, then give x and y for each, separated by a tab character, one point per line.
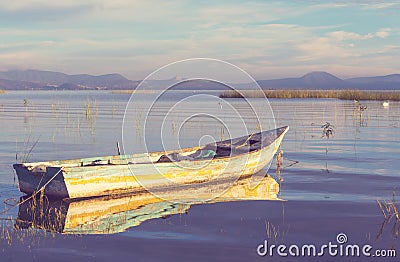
268	39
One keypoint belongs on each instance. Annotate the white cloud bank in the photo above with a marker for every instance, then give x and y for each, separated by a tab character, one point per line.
134	38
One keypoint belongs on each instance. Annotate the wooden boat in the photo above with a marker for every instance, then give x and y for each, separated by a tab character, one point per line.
100	176
114	214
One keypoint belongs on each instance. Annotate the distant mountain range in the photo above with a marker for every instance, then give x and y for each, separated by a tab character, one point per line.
47	80
323	80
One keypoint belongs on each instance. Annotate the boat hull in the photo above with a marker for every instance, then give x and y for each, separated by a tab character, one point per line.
115	214
69	180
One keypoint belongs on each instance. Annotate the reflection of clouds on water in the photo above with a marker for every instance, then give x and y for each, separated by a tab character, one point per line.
316	201
365	149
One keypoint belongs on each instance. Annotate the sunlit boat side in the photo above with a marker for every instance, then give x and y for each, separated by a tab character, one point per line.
110	175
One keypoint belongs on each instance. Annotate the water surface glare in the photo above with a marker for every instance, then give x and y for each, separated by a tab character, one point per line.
324	193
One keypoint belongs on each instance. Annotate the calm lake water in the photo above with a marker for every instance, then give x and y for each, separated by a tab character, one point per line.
324	195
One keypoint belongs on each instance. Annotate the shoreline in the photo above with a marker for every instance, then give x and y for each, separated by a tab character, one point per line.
347	94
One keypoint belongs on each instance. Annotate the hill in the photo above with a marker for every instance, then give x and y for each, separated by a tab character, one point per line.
37	79
47	80
324	80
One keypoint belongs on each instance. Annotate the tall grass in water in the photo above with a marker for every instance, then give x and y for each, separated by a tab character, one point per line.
26	150
390	212
42	221
2	91
339	94
358	113
277	233
91	109
279	163
91	112
327	132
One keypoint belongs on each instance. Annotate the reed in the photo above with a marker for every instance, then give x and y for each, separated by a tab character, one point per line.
28	146
390	212
2	91
17	232
88	109
338	94
358	112
389	209
279	164
327	132
277	232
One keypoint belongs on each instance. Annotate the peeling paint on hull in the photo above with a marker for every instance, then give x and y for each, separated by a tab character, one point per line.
109	175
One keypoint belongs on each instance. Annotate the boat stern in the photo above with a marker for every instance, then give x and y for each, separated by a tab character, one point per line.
33	178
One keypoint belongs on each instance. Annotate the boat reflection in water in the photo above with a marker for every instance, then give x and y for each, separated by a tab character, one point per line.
109	215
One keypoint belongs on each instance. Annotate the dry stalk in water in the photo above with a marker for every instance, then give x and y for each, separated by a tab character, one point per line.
327	132
279	164
389	211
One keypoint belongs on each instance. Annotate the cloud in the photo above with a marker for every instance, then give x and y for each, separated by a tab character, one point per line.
333	44
349	54
5	48
29	15
98	36
379	5
343	36
17	5
321	48
383	33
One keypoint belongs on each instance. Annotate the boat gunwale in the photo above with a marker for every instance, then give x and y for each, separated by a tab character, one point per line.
76	163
